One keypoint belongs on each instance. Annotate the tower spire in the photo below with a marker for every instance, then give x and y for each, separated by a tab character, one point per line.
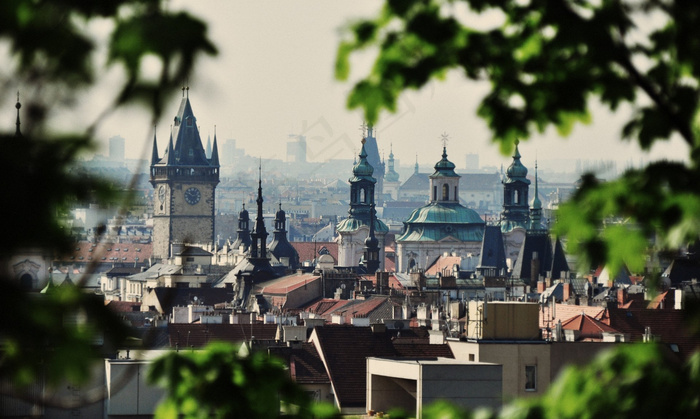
18	105
154	154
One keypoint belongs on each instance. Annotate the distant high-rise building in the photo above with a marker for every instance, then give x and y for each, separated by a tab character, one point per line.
296	149
472	161
116	148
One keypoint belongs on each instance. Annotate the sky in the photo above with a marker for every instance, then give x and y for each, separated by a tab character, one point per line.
273	77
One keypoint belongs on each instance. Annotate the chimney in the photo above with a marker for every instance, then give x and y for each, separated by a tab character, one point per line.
566	291
621	297
540	287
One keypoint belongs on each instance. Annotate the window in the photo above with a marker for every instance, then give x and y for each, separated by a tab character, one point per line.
471	357
530	377
434	193
445	192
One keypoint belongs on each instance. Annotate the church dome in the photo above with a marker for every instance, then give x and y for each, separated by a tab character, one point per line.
363	169
438	220
516	169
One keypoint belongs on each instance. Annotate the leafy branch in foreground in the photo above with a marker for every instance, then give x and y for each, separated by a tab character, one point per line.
216	382
53	55
546	60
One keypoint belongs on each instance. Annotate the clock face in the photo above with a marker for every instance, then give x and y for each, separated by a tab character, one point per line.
161	193
192	196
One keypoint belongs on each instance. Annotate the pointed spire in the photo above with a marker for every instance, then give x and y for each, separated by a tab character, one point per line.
415	169
536	203
18	105
170	152
154	155
207	151
260	233
215	151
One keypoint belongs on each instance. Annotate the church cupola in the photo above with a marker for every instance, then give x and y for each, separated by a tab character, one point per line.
280	247
243	238
391	175
444	182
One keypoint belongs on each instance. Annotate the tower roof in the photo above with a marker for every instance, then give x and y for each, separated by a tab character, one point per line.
444	167
214	161
516	170
363	170
154	154
188	144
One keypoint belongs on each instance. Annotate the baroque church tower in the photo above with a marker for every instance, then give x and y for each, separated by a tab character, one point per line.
356	228
184	180
516	210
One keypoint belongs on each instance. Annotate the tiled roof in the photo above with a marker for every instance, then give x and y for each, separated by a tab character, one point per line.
123	306
84	252
666	325
589	328
564	312
198	335
442	264
305	365
345	349
287	283
309	250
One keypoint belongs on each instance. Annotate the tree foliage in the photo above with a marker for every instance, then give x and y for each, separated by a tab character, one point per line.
53	55
216	382
546	61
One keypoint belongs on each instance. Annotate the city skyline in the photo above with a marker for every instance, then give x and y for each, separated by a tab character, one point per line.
274	77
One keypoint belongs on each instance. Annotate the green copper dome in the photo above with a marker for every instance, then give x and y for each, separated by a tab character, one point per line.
444	167
516	170
438	220
362	170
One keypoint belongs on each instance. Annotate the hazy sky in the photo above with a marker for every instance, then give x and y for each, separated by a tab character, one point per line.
274	77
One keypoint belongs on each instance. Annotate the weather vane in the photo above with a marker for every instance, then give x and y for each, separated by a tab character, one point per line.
444	138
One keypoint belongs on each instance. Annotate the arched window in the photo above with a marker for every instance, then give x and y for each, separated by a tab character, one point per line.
411	264
456	197
516	197
363	195
434	193
445	192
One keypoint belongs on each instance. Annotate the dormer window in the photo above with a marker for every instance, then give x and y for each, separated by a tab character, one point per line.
190	122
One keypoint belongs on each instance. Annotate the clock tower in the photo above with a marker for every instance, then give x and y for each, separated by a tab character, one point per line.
184	180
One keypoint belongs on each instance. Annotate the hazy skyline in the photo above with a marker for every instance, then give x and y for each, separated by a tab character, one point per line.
273	77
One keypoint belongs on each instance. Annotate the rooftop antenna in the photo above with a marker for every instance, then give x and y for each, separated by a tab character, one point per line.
18	105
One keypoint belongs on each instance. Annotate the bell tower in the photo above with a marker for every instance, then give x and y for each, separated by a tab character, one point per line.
184	180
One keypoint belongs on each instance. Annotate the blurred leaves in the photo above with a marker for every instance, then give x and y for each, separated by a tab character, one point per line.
53	54
545	60
217	383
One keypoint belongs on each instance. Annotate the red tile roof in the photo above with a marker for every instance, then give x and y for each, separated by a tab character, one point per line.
564	312
309	250
589	328
289	283
198	335
665	325
442	265
84	252
123	306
